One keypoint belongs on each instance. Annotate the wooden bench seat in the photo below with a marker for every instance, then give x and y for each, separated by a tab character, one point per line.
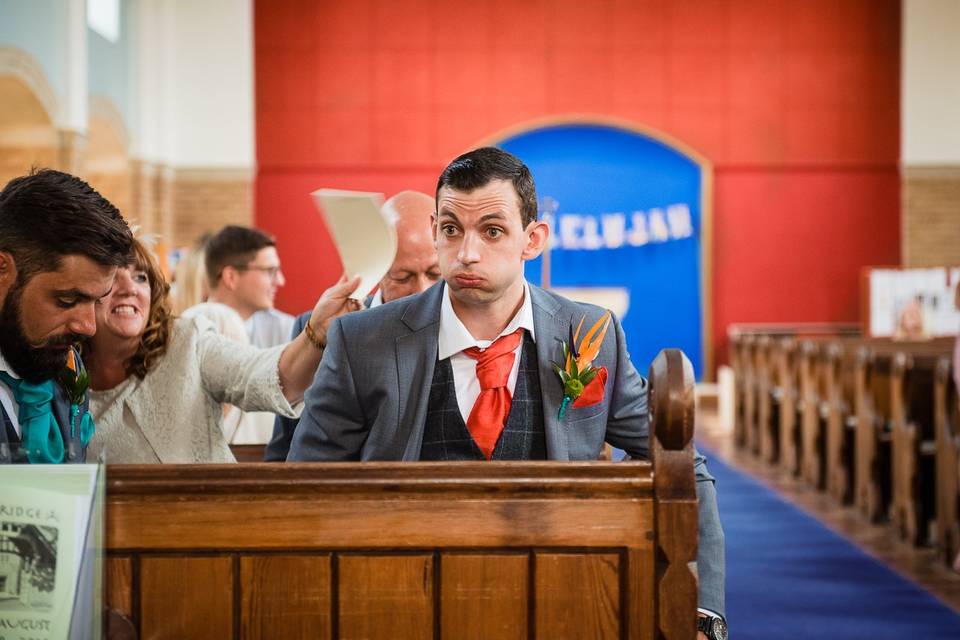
415	550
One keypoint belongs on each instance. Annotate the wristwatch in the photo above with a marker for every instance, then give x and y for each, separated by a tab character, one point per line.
714	628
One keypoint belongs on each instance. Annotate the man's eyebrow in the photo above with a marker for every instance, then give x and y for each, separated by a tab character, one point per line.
448	214
79	295
492	216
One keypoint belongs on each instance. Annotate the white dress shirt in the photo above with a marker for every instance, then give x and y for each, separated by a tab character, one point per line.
269	327
454	338
6	396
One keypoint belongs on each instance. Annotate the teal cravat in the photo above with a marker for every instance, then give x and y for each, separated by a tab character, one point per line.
39	433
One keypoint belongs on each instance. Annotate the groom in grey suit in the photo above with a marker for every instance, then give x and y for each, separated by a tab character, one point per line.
404	382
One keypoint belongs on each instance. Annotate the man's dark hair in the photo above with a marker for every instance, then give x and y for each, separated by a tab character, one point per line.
233	246
48	215
476	168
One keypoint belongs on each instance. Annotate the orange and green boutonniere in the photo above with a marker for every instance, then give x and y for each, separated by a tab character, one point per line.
582	382
75	381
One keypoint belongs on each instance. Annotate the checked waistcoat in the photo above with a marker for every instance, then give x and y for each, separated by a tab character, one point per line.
445	434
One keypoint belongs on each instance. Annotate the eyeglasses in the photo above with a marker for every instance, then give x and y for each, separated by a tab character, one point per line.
271	272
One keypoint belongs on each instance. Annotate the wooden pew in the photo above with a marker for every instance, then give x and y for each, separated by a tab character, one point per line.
248	452
885	402
746	427
791	398
415	550
762	437
813	413
838	360
872	479
913	446
947	413
759	385
739	361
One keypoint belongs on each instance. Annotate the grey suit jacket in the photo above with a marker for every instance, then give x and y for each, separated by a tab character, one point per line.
369	399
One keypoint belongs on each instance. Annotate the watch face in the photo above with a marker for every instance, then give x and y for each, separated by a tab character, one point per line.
718	630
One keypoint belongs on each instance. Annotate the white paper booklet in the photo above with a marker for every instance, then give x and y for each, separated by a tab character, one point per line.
366	240
45	512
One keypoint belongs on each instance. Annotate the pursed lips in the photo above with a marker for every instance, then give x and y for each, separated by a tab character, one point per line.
468	278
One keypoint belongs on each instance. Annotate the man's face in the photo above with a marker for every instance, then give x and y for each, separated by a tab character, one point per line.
415	268
41	318
257	283
481	242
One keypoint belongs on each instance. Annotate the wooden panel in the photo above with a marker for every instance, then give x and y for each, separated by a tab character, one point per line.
285	597
178	592
344	523
118	573
295	506
248	452
389	597
577	596
484	596
640	596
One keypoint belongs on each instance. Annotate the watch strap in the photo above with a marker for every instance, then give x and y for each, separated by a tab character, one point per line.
704	623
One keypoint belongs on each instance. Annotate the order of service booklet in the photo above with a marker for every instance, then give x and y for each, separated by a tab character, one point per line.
50	551
365	238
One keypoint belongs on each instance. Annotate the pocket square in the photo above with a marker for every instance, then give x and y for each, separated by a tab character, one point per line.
593	392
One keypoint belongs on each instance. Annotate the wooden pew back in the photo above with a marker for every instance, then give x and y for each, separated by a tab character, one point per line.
415	550
790	390
839	360
947	417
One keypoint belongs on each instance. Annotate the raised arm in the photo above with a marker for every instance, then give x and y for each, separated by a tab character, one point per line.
300	359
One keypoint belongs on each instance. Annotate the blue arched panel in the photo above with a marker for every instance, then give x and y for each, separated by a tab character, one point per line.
625	211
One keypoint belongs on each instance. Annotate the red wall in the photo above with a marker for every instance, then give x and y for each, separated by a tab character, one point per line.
796	103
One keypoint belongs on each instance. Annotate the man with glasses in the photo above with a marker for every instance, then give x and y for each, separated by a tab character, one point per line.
244	273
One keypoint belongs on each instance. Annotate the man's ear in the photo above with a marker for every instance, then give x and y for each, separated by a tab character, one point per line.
8	273
538	233
229	277
433	228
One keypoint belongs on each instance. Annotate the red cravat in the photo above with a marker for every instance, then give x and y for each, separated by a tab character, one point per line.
492	407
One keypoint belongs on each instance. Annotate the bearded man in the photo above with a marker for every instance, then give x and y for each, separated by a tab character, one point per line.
60	245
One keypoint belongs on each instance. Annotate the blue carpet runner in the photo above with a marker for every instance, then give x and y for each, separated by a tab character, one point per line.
789	576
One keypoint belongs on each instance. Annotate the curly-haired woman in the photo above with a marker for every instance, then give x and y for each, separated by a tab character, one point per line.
158	382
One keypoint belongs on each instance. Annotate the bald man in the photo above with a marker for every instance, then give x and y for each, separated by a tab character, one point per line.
414	269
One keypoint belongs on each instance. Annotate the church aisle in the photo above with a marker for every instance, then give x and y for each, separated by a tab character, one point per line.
788	573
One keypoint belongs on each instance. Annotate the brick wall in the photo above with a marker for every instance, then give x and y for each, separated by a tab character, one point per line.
931	216
16	161
201	200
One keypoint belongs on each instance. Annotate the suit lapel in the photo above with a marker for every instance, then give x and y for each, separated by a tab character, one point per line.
61	411
8	437
416	361
551	330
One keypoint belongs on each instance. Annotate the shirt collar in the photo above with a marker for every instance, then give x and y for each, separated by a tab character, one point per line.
377	299
454	337
7	368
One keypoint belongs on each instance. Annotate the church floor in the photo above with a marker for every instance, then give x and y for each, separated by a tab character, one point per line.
916	564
